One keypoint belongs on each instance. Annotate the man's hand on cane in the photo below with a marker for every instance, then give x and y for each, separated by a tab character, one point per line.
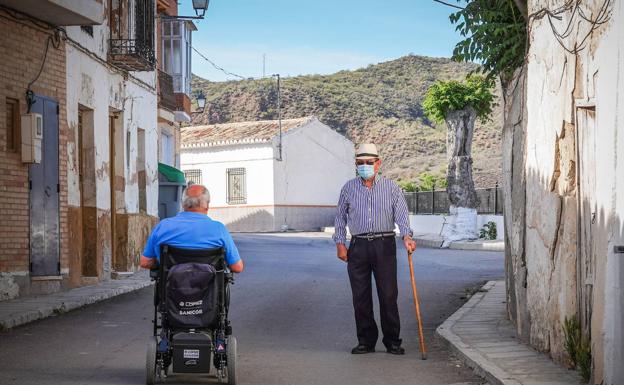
409	243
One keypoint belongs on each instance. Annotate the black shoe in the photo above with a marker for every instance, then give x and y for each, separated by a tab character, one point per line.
395	349
362	349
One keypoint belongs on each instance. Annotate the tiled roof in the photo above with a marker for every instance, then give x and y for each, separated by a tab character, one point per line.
237	133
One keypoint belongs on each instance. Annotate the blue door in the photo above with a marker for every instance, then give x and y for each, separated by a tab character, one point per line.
44	195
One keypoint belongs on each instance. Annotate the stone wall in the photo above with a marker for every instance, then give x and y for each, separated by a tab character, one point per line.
561	141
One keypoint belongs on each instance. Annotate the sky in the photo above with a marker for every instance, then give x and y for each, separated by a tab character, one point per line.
315	36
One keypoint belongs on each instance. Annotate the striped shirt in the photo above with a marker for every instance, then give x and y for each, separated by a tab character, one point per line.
373	210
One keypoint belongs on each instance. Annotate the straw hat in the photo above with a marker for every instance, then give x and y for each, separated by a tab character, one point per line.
366	151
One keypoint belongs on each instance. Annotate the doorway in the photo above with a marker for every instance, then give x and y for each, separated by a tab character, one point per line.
86	185
44	189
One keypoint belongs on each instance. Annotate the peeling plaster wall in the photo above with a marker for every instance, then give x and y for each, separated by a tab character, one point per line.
559	85
96	86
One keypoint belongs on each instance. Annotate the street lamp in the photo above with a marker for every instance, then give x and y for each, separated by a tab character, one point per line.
201	101
200	7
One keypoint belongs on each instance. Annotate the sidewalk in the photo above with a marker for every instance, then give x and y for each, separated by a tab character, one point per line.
484	339
24	310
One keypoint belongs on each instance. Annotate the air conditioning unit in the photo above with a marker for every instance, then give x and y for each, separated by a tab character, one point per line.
32	135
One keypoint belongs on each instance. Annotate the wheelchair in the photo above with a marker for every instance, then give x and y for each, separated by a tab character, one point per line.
192	333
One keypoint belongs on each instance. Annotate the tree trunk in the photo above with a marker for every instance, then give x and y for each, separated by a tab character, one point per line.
461	191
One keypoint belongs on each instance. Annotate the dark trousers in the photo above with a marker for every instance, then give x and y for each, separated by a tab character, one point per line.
377	256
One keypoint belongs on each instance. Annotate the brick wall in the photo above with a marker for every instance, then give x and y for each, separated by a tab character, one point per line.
21	48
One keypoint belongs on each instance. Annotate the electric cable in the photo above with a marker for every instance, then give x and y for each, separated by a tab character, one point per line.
56	43
218	67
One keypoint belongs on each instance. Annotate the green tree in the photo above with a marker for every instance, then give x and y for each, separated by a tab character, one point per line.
495	34
445	96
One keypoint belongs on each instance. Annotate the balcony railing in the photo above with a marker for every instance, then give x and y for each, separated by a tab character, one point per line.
166	97
132	28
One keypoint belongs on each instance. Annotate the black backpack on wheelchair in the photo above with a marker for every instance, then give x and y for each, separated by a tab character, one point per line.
192	332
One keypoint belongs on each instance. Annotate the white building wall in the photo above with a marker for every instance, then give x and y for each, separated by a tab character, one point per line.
316	162
88	85
608	69
91	84
256	159
558	83
257	213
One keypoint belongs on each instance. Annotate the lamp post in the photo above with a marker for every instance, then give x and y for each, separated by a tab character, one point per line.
201	101
279	117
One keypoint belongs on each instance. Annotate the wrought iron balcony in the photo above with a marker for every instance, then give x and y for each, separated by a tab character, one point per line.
132	28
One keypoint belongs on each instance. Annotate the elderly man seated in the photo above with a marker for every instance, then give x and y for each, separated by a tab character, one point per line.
193	229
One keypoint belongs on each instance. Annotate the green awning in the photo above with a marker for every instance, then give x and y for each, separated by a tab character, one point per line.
171	173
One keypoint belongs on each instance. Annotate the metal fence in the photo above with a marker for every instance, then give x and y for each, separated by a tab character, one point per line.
437	202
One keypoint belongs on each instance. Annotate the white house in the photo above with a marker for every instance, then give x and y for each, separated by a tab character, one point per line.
260	180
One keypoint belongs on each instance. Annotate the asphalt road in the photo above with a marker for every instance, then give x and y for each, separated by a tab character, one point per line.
291	312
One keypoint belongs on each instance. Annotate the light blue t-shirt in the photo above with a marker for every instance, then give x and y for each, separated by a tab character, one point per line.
193	231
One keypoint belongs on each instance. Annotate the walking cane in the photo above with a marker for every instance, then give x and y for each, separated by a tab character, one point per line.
423	349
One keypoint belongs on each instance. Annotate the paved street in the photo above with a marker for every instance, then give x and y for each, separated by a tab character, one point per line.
291	312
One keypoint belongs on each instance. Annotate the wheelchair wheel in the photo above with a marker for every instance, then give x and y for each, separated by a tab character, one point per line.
150	362
231	360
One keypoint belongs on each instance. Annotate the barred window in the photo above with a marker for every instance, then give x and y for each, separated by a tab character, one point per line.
236	186
193	176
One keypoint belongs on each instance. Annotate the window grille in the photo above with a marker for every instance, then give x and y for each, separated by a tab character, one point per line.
236	186
193	176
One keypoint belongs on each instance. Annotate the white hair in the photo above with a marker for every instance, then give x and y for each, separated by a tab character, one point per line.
196	201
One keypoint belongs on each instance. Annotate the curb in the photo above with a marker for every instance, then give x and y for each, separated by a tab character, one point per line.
482	246
428	242
41	307
479	364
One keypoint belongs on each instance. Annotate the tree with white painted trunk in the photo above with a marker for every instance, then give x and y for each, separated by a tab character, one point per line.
459	104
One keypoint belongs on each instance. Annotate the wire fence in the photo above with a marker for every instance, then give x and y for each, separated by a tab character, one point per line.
437	202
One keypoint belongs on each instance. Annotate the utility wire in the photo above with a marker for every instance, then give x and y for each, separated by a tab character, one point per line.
450	5
219	68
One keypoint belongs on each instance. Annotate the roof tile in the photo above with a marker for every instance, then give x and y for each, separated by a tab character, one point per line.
239	132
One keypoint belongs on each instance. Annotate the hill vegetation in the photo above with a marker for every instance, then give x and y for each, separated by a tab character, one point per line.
381	103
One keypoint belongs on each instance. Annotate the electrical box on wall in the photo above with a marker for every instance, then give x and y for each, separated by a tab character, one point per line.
32	135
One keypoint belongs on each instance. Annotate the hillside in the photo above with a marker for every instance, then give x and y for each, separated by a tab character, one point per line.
380	103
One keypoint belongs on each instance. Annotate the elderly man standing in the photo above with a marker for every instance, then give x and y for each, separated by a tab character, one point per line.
193	229
371	205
